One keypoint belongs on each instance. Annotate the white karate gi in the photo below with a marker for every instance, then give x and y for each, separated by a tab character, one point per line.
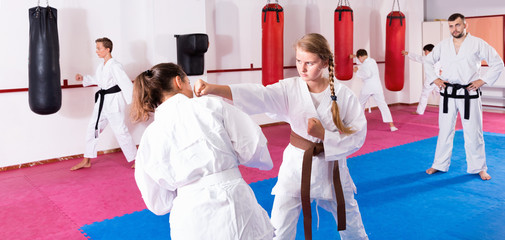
462	68
113	111
368	71
289	100
428	88
187	164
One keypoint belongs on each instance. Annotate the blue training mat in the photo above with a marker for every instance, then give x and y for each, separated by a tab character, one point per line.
397	199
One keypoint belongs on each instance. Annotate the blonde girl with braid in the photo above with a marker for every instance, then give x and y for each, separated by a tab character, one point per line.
187	161
324	115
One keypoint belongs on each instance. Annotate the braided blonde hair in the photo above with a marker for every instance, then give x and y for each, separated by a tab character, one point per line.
317	44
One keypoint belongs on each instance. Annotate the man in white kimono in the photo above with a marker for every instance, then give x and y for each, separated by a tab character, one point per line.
460	57
368	71
427	87
110	104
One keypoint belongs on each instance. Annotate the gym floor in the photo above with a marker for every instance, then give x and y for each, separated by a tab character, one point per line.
50	202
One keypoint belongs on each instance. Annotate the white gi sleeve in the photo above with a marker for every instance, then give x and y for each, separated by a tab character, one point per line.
88	80
438	68
494	61
247	138
429	64
256	98
339	146
364	71
123	81
415	57
152	176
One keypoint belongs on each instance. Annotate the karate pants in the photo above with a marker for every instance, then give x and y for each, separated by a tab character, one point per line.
381	103
286	211
425	94
117	123
472	130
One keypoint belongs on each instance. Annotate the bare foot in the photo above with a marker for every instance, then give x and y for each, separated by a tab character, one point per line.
431	171
133	166
85	163
484	175
392	126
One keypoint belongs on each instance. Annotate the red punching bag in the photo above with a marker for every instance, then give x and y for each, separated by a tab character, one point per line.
343	21
272	58
395	43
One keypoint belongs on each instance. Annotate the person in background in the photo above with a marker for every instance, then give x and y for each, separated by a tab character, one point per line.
368	71
110	104
427	86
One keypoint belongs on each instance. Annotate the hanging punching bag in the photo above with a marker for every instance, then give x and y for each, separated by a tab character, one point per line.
395	43
44	88
343	23
272	58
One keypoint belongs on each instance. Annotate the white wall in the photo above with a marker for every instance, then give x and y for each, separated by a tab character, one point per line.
142	32
437	9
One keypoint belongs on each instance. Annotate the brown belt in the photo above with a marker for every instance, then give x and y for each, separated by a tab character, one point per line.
313	149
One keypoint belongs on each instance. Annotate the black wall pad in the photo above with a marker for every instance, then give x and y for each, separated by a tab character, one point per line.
190	52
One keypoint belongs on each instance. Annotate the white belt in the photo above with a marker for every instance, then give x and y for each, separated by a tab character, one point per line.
209	180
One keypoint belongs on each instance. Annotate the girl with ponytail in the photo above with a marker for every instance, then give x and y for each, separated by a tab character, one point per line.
187	161
327	123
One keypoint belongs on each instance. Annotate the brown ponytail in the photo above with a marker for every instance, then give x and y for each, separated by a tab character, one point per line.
150	87
317	44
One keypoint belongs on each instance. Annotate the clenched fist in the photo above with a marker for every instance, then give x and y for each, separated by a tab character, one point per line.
315	128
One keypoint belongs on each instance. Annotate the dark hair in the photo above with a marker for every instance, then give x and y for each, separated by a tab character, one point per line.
315	43
455	16
150	86
107	43
361	52
428	47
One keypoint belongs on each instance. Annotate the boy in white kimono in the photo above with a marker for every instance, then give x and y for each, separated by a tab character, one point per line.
368	71
428	88
460	57
110	104
187	161
322	113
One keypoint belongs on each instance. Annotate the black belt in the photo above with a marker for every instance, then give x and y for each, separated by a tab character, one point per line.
101	93
467	97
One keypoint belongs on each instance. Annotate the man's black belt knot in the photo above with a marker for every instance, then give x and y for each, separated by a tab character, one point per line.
466	96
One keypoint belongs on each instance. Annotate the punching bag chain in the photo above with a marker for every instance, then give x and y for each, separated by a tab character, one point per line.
393	8
47	3
38	9
276	2
343	3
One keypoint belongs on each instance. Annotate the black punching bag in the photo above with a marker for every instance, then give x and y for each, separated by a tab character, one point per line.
190	50
44	89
